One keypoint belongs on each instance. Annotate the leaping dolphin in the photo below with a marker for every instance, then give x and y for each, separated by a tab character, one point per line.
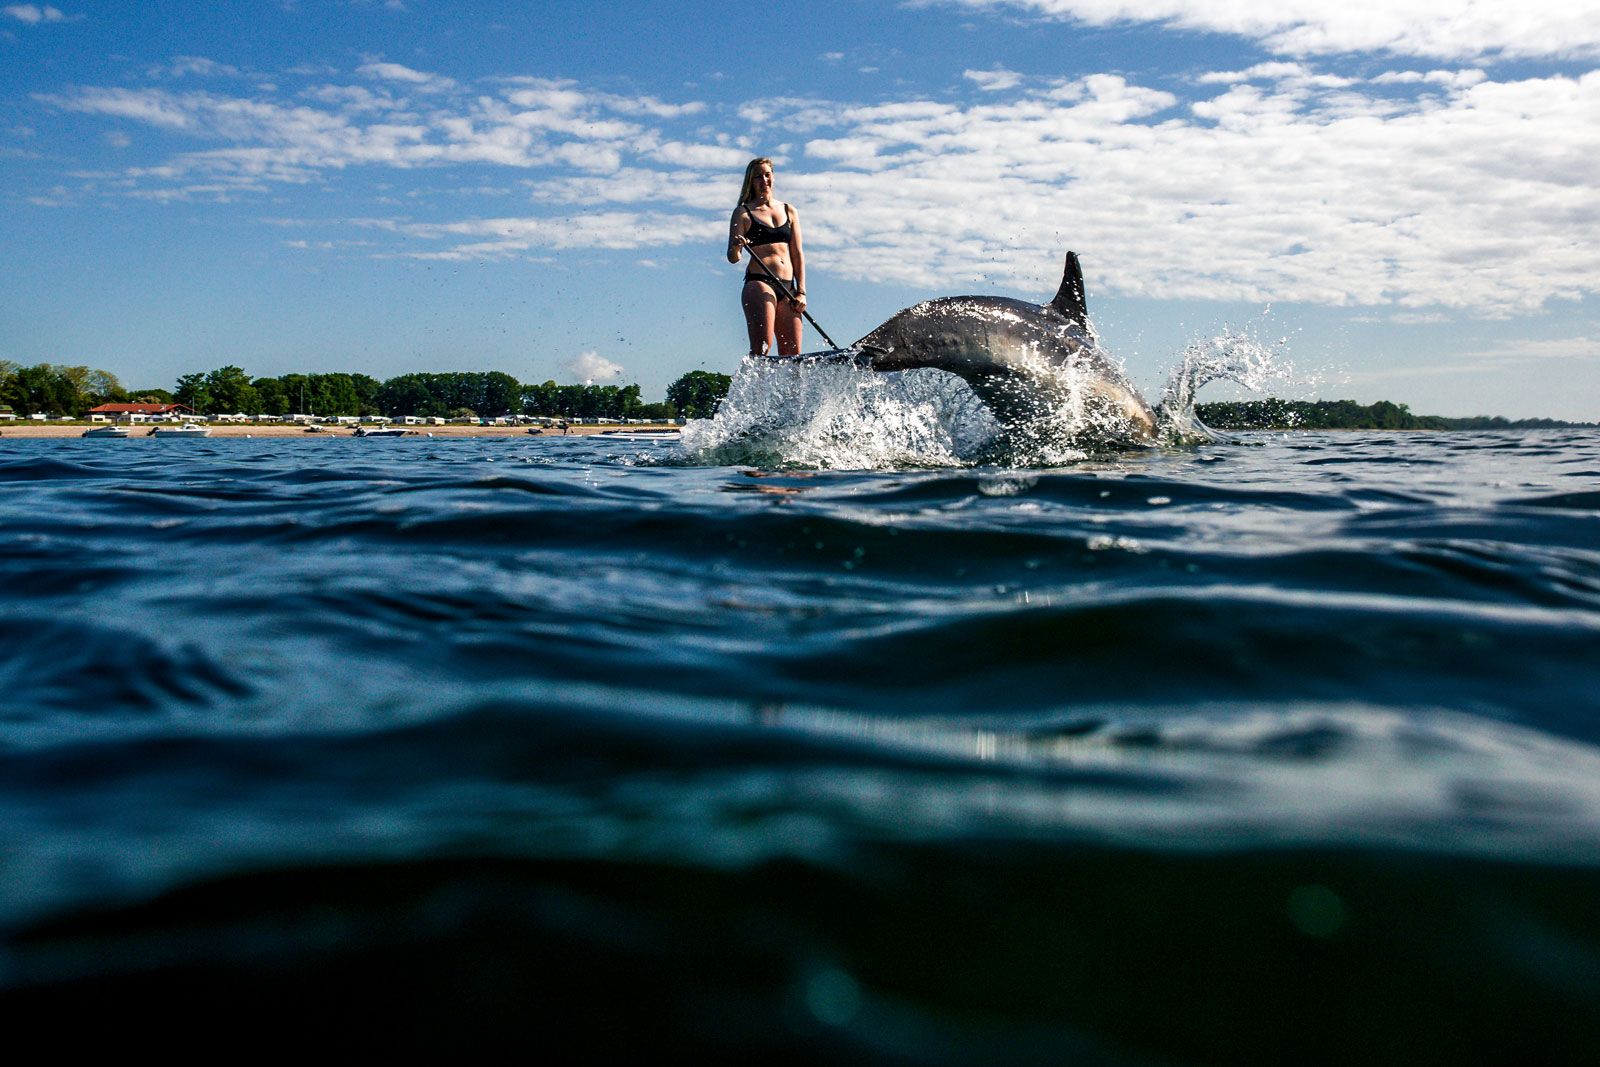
1027	362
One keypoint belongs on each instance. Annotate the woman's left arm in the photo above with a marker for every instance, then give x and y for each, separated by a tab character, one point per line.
797	255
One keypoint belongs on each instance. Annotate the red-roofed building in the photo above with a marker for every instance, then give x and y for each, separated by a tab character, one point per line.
127	411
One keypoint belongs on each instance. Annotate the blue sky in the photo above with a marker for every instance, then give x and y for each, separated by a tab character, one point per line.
1405	191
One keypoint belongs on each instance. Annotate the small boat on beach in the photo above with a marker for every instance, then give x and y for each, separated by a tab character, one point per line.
188	429
105	431
382	431
672	434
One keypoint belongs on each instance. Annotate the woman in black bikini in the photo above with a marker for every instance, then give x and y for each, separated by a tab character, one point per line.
771	230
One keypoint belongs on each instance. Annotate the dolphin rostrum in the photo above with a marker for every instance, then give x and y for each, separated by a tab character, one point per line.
1027	362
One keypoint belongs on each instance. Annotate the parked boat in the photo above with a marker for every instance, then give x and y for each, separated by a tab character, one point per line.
381	431
641	435
188	429
105	431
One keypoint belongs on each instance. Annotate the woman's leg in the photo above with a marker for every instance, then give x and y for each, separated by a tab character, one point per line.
788	327
760	308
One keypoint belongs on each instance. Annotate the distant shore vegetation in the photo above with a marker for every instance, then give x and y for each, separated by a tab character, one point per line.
70	391
1349	415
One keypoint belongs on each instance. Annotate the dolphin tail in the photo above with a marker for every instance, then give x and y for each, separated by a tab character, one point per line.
1069	298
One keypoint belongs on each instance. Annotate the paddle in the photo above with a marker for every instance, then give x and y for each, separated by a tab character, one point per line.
779	286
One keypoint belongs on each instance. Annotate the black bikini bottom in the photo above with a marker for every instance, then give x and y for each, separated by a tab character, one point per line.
766	281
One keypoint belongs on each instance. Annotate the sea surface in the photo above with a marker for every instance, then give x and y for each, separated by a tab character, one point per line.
1279	748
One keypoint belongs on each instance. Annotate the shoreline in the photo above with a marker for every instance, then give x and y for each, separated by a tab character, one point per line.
20	431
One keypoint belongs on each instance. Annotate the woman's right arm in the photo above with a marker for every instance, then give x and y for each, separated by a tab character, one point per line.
738	226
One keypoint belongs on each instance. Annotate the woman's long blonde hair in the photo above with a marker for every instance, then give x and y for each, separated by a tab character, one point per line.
750	177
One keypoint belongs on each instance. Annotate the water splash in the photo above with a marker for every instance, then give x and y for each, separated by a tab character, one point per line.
840	417
843	417
1234	356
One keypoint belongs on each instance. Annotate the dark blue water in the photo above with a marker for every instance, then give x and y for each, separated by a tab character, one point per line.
1282	749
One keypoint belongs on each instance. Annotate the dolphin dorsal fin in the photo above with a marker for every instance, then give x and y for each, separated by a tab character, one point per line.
1069	298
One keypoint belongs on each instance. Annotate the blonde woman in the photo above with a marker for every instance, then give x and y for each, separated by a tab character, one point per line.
771	231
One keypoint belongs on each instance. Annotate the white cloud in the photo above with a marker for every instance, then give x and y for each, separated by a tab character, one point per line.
700	156
993	80
1467	197
59	196
593	367
1284	75
352	98
1409	192
503	238
150	106
33	14
1454	79
1535	351
196	65
548	95
648	105
395	72
1441	29
1564	354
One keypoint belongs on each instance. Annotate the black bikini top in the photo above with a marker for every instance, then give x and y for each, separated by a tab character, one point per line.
762	234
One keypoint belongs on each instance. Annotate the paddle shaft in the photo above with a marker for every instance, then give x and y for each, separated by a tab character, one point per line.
779	285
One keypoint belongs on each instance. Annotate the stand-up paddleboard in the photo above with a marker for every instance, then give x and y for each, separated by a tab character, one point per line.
826	355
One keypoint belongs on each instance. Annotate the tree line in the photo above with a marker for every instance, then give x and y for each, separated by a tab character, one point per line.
56	390
59	390
1275	414
71	391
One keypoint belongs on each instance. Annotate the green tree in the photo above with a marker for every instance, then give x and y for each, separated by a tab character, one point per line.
658	412
72	387
333	394
296	388
29	390
569	400
231	392
104	388
192	391
273	398
48	389
539	399
502	394
410	394
630	401
698	394
366	389
1317	415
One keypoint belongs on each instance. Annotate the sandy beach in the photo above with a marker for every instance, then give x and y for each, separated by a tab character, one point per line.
75	430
